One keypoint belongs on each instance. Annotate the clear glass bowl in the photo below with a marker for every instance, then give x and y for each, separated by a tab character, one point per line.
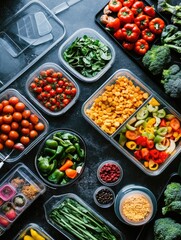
109	173
135	197
33	97
95	35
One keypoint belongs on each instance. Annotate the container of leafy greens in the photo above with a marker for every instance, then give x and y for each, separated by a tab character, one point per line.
87	55
74	218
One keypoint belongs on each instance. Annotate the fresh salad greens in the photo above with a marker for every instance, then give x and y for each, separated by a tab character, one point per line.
88	56
79	221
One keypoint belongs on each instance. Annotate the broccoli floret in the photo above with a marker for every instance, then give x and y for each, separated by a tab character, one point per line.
172	81
156	59
175	20
172	193
174	206
165	6
167	229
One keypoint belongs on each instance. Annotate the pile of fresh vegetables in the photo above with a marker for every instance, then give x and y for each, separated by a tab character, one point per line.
62	158
134	24
151	136
53	90
80	221
87	55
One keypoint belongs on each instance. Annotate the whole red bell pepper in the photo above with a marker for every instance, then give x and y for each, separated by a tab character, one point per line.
156	25
125	15
142	21
115	5
147	35
128	3
141	47
131	32
128	46
113	24
150	11
137	7
119	34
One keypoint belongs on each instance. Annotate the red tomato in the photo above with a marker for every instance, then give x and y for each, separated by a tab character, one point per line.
13	100
20	107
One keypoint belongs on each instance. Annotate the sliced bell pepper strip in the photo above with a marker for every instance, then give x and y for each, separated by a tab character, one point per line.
131	145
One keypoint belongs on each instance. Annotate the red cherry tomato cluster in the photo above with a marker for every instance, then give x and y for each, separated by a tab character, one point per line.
135	24
17	123
53	90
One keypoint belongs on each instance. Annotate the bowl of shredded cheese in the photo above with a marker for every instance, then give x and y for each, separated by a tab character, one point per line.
135	205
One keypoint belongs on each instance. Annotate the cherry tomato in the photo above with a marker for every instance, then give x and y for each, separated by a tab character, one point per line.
20	107
17	116
68	91
5	128
25	140
25	123
8	118
1	120
25	131
47	88
33	134
66	101
1	146
34	119
43	73
73	91
14	125
60	83
13	135
5	103
59	90
39	126
26	114
8	109
33	85
9	143
1	107
3	137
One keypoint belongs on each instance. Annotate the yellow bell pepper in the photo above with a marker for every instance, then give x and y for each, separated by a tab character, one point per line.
151	122
141	129
154	102
36	235
131	145
152	165
149	130
27	237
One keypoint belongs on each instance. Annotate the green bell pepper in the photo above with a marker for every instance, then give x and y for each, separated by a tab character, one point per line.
80	151
44	165
50	143
56	176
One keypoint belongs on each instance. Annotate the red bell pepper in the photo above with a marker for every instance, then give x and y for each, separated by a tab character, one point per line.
147	35
154	154
137	7
145	153
163	123
118	34
175	124
128	3
141	140
150	11
142	21
156	25
128	46
150	143
115	5
141	47
125	15
114	24
137	154
131	32
162	157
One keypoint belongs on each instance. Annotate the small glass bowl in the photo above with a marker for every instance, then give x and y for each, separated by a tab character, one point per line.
109	174
127	212
106	196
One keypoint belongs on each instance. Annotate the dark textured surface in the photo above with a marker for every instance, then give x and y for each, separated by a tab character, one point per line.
98	148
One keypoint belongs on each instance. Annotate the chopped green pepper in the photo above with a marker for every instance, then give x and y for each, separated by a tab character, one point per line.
80	151
50	143
70	149
44	165
49	151
56	176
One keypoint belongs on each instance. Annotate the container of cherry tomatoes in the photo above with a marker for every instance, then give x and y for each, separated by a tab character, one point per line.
52	89
21	125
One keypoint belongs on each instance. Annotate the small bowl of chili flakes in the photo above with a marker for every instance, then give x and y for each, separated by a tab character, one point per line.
52	89
109	173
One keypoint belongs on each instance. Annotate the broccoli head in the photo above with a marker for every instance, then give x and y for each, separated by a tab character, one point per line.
156	59
172	193
167	229
172	81
174	206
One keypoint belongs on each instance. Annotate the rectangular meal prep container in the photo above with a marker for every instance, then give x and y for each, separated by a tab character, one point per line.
22	181
16	155
26	231
54	201
96	36
26	37
112	138
32	95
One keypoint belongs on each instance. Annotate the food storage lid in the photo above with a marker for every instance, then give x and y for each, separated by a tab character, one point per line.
25	38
